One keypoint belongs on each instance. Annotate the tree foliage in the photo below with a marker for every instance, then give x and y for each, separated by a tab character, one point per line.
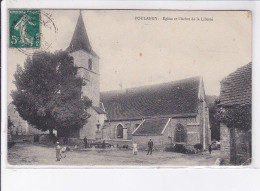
48	94
214	123
237	116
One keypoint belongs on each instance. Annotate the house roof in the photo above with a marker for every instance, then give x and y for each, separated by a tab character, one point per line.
173	98
236	88
151	127
80	40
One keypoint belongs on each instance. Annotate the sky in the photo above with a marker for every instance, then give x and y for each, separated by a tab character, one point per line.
138	52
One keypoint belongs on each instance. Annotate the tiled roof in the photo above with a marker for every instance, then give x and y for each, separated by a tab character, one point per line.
178	97
236	88
151	127
80	39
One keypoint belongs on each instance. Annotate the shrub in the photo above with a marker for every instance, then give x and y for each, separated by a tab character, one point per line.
190	149
169	149
198	147
179	148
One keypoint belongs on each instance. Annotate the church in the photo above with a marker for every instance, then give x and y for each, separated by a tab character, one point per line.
168	113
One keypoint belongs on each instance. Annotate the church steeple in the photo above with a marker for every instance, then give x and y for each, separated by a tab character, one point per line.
80	39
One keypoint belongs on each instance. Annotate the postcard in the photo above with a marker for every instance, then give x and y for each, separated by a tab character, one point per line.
145	88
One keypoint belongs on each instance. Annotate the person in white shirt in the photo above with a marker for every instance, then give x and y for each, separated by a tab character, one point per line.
135	150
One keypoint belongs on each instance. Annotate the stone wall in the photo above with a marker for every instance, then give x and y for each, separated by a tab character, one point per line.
129	125
242	144
235	147
90	128
225	143
142	142
192	129
92	87
29	138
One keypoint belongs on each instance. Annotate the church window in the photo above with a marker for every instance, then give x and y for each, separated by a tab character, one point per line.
90	64
119	131
180	134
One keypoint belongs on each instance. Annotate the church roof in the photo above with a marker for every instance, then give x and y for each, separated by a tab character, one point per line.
151	127
236	88
80	40
178	98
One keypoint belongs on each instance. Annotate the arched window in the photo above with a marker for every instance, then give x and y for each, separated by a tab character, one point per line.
119	131
90	64
180	134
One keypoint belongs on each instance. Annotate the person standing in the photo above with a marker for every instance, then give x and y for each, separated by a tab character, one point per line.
58	148
210	149
150	147
86	142
135	148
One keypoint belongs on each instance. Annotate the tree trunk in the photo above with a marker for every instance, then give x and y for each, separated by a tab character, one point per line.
51	131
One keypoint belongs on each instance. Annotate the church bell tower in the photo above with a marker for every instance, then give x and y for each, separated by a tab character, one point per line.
87	61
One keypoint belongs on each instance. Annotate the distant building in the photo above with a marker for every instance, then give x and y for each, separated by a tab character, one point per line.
236	90
20	126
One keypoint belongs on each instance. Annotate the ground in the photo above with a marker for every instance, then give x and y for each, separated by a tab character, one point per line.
36	154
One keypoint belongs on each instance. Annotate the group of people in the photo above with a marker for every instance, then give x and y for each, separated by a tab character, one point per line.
150	148
135	150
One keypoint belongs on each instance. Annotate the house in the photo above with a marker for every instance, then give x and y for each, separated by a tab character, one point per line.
168	113
20	126
236	99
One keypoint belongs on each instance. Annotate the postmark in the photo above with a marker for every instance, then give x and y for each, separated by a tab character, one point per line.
27	29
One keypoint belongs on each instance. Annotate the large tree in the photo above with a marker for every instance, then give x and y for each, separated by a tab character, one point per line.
48	94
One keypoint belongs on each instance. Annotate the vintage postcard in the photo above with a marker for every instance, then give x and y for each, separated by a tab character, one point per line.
129	88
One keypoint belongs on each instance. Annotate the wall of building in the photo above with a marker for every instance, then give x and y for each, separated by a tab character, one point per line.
21	127
90	128
225	143
142	142
128	125
242	142
192	129
235	146
203	116
92	87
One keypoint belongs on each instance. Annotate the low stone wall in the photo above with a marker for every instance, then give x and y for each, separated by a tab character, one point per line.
29	138
121	143
76	142
46	140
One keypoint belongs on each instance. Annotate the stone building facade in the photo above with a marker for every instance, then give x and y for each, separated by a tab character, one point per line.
20	126
117	116
156	112
87	62
236	142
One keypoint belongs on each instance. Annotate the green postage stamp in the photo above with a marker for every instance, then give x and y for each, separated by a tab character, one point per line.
24	28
